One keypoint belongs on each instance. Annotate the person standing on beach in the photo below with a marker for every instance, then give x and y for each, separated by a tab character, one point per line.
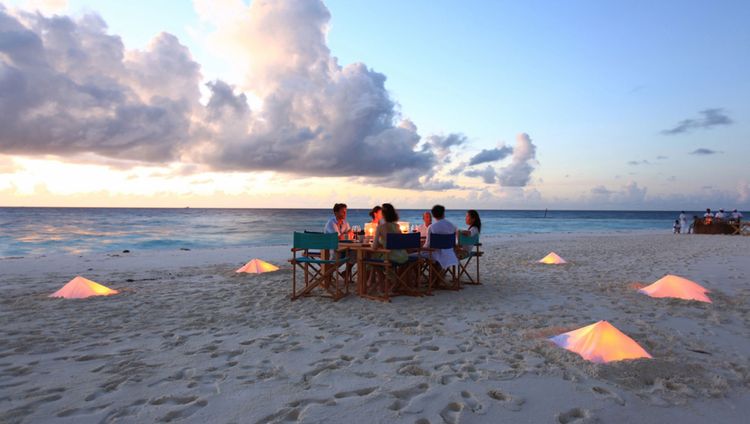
737	216
683	221
719	216
676	227
338	223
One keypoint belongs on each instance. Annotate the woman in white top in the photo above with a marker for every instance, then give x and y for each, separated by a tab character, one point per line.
475	227
474	223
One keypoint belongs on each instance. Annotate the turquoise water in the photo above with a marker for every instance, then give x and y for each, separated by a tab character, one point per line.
36	231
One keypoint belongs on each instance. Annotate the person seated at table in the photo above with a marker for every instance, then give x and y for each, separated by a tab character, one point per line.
427	221
691	228
475	227
719	216
737	216
474	223
389	226
377	215
338	224
445	257
708	217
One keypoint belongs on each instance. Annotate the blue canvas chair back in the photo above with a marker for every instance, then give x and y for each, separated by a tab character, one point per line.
442	241
464	240
315	241
402	241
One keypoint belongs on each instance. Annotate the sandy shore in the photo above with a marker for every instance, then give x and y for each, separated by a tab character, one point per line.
190	341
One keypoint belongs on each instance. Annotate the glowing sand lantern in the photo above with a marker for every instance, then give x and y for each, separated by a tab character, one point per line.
601	343
370	229
256	266
80	288
403	226
678	287
552	259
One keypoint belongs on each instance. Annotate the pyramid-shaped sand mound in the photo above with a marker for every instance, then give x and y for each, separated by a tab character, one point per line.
257	266
677	287
552	259
601	343
80	288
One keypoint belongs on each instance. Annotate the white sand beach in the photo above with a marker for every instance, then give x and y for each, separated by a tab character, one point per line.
188	340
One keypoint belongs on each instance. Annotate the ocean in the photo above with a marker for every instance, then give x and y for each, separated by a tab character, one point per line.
43	231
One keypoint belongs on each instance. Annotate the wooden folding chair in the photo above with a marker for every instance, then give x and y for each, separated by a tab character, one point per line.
471	245
385	278
319	270
438	275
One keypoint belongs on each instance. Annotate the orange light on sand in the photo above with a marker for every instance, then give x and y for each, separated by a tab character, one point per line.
601	343
552	259
257	266
403	226
678	287
80	288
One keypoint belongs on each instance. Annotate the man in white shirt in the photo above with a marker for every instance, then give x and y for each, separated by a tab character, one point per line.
736	215
427	218
338	223
720	214
445	257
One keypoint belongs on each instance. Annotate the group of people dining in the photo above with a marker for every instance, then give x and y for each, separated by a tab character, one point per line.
681	223
385	220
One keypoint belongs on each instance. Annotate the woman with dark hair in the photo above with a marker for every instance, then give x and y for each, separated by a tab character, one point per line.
377	215
474	223
390	216
475	227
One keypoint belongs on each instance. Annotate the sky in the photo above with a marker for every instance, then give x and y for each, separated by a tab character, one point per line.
303	103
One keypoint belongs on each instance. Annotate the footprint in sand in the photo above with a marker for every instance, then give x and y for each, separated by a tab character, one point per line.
607	394
360	392
576	416
451	414
507	401
185	412
472	403
404	396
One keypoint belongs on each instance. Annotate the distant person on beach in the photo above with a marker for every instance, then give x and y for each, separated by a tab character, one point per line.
708	216
445	257
376	214
737	216
683	221
389	226
338	223
426	222
676	227
719	216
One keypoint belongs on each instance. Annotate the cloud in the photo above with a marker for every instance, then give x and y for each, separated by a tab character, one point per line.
703	152
68	87
638	162
488	174
317	117
661	157
711	118
491	155
518	173
628	195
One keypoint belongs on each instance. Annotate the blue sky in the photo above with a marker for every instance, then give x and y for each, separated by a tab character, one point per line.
593	83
